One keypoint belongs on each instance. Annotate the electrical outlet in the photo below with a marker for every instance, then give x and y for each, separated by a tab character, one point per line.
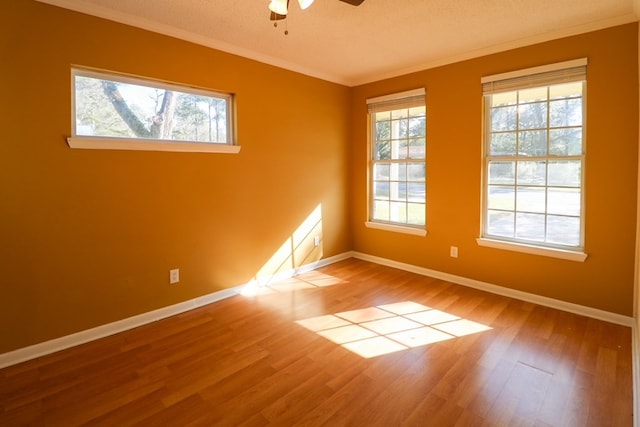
453	252
174	276
316	241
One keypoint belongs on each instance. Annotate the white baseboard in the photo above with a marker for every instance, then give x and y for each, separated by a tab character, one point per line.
57	344
500	290
62	343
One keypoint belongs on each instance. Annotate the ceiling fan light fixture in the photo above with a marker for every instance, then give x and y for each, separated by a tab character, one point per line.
278	6
305	3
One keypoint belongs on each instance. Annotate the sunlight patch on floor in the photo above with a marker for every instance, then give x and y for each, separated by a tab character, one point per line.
375	331
310	280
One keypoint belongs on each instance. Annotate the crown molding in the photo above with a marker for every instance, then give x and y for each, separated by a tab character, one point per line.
168	30
145	24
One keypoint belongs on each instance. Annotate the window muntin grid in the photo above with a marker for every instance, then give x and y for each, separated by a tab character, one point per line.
398	172
534	166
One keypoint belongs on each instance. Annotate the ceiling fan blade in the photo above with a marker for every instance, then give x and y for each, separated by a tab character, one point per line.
276	16
353	2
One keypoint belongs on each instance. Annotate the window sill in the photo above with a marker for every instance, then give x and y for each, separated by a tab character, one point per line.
396	228
94	143
534	250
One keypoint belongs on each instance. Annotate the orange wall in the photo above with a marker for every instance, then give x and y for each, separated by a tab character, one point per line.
88	237
454	102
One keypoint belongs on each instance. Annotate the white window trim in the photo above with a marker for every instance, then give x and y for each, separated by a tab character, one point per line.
533	250
488	241
102	143
141	144
388	102
396	228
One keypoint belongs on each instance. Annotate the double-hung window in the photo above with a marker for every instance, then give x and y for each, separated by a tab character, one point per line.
534	160
397	164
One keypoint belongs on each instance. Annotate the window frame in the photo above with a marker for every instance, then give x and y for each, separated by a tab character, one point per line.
79	141
406	99
538	77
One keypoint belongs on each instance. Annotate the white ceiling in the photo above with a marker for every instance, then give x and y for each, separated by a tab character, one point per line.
352	45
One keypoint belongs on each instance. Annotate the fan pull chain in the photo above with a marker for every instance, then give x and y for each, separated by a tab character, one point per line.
286	29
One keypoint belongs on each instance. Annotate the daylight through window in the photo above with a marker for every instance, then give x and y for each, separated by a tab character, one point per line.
534	158
112	106
397	165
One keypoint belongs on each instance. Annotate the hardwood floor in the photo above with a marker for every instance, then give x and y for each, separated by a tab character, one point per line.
303	353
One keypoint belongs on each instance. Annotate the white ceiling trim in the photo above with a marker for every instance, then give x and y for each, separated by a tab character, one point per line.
138	22
168	30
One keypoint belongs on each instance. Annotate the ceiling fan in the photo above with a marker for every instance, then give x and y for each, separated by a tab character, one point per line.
279	8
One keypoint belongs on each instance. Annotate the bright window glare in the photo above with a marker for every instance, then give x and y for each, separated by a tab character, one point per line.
117	106
374	331
534	166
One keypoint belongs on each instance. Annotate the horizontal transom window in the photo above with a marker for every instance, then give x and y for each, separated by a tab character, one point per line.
111	108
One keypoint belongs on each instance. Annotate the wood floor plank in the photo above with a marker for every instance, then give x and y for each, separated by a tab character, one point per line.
477	359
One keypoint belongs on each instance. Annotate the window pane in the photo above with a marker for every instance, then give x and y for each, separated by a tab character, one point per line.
501	197
502	172
563	230
417	111
530	226
400	149
398	212
531	95
398	171
501	99
564	201
398	186
382	150
415	192
381	210
565	142
398	191
382	115
532	143
537	195
416	213
416	172
565	112
199	118
531	199
381	190
417	126
504	118
533	116
383	130
109	105
417	148
567	90
565	173
400	113
400	128
381	171
503	144
500	223
532	173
